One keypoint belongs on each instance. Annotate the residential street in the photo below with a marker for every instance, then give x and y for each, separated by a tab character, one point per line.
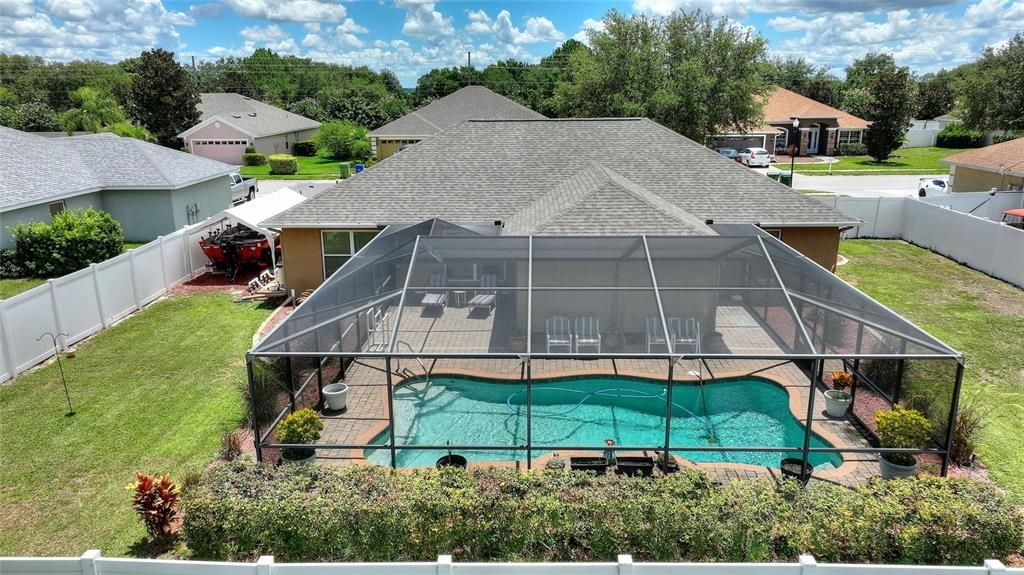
861	186
308	188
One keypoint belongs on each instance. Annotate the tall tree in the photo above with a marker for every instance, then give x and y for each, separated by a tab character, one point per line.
815	82
162	98
893	104
990	94
696	75
92	113
935	95
863	71
440	82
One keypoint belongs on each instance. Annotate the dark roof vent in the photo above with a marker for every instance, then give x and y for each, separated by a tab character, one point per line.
252	114
236	115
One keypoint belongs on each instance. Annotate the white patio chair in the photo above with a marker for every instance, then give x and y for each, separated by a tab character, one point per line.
685	333
557	333
655	333
485	298
588	333
435	299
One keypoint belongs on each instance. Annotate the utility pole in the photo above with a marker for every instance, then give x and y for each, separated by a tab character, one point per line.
193	62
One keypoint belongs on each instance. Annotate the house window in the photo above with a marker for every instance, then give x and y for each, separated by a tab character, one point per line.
56	208
340	245
773	232
850	136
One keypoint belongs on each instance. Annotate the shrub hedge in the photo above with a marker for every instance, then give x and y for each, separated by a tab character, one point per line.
959	136
71	241
283	164
254	159
853	149
363	513
305	148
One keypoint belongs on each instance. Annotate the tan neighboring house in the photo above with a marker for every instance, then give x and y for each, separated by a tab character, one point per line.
551	177
232	122
999	166
469	103
790	118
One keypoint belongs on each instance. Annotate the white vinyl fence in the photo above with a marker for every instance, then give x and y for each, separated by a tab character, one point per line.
92	563
977	240
87	301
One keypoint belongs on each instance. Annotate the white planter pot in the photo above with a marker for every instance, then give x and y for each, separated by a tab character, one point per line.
336	396
889	470
304	461
837	402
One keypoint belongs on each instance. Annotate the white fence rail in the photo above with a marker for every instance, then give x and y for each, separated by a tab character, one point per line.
87	301
975	240
92	563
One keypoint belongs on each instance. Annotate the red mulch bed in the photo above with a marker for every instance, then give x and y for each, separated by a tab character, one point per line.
217	282
276	319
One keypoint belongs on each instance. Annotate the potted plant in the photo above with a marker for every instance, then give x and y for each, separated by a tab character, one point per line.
301	427
901	428
837	400
556	463
452	459
634	465
667	463
336	396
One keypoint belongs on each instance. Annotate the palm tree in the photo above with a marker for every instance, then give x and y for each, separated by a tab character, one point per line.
95	111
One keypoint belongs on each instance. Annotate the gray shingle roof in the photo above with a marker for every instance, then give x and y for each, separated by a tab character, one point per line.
38	169
649	177
253	116
469	103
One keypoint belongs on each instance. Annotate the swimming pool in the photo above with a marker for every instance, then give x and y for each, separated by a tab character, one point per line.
585	411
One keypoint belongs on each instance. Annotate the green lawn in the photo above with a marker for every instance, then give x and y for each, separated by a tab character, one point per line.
906	161
310	168
154	393
978	315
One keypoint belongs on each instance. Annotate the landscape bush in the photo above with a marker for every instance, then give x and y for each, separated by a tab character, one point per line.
340	140
283	164
365	513
305	148
853	149
957	135
156	500
250	150
254	159
71	241
9	267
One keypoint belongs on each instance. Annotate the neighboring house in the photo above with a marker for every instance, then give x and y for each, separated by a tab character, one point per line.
469	103
231	122
924	133
999	166
819	129
551	177
150	189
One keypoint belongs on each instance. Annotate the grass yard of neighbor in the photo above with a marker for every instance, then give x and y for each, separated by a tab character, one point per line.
154	393
310	168
980	316
906	161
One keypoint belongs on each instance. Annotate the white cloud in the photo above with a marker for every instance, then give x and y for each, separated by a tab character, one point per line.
262	34
424	22
107	30
289	10
538	29
343	36
741	8
588	24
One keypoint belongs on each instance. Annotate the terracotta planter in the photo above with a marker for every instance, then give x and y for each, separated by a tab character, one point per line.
837	403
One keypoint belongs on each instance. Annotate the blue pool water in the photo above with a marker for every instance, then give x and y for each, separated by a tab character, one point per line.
585	411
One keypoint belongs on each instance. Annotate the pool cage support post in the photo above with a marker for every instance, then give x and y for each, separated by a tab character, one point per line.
953	407
291	383
320	379
817	369
252	407
668	408
529	412
391	413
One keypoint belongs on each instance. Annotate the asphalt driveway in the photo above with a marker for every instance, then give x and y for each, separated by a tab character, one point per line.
861	186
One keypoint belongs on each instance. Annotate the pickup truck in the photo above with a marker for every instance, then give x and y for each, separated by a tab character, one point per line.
242	190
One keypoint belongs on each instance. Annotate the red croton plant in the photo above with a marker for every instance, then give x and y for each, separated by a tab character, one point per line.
156	501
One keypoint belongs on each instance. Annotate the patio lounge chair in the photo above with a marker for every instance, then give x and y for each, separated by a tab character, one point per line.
588	333
685	333
557	333
435	299
485	298
655	333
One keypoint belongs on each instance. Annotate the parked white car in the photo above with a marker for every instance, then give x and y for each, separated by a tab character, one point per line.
927	187
242	190
730	153
755	157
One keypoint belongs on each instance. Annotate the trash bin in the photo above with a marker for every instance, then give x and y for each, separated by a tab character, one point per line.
344	169
774	175
786	178
360	168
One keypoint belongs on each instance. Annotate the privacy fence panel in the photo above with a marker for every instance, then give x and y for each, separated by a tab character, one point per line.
977	240
88	300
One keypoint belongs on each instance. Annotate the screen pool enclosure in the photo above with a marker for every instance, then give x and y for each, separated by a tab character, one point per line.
420	326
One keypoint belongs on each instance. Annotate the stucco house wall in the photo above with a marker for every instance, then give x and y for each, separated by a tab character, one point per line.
207	197
41	213
144	214
281	143
201	143
818	244
965	179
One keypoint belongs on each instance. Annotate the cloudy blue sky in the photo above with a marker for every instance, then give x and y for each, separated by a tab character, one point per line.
413	36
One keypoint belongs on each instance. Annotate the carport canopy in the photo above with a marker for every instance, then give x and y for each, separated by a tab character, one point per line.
253	213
